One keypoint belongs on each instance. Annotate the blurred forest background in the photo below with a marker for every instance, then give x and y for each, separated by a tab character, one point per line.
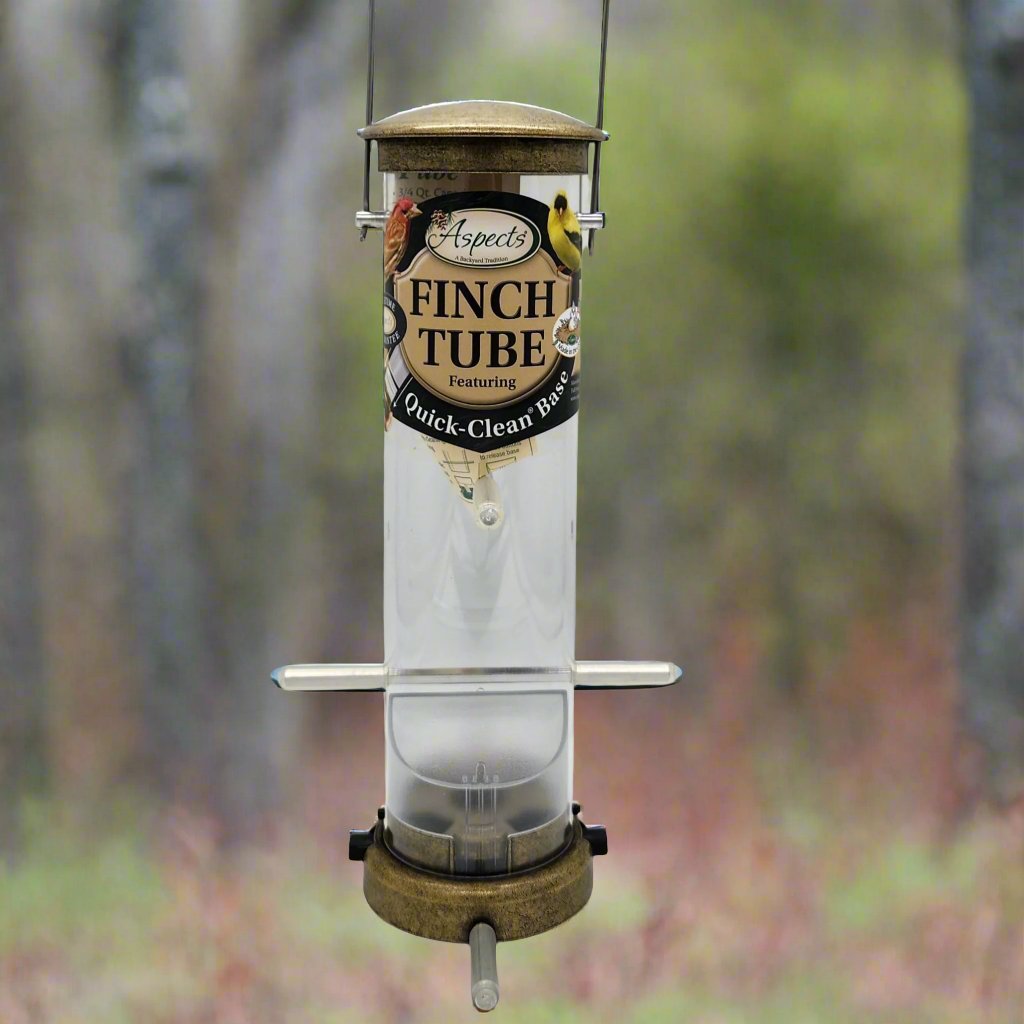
821	824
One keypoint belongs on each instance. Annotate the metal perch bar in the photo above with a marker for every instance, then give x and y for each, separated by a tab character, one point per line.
587	675
376	219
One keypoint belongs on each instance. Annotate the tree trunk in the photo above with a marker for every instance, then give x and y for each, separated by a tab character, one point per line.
181	653
22	704
226	534
70	261
992	653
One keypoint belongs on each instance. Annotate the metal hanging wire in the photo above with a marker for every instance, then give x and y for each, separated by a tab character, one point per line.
369	120
590	221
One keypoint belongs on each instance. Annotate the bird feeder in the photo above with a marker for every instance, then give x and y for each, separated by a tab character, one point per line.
479	839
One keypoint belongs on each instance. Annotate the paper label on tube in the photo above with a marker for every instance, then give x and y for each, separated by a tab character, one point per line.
481	318
465	469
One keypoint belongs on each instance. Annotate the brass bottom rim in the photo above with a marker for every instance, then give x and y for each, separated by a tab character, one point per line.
446	907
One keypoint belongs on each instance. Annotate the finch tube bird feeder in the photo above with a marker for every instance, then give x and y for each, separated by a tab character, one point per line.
479	840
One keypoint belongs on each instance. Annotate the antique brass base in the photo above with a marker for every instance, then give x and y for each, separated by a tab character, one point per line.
446	907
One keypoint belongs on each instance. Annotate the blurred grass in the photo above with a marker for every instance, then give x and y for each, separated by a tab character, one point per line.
896	882
122	924
78	891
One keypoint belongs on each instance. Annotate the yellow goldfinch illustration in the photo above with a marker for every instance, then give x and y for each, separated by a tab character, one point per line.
564	232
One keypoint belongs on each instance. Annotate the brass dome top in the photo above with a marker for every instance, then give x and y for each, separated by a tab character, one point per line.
482	119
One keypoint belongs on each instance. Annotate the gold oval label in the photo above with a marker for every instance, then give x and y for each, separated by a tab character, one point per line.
481	324
481	337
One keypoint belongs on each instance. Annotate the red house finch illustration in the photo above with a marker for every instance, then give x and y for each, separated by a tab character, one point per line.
396	234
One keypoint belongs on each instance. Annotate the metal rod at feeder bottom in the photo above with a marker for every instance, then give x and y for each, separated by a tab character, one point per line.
484	965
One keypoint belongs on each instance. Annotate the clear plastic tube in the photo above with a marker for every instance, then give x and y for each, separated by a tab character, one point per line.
479	628
457	595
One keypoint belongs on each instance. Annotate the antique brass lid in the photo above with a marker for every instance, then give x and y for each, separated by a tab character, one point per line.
482	119
483	135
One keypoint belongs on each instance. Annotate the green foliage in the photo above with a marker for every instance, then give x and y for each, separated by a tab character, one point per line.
70	892
772	316
554	1012
787	353
890	888
799	1001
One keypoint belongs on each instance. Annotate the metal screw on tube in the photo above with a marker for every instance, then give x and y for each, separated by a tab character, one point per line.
487	499
484	965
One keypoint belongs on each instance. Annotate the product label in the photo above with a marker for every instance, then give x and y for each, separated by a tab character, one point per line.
481	317
465	469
